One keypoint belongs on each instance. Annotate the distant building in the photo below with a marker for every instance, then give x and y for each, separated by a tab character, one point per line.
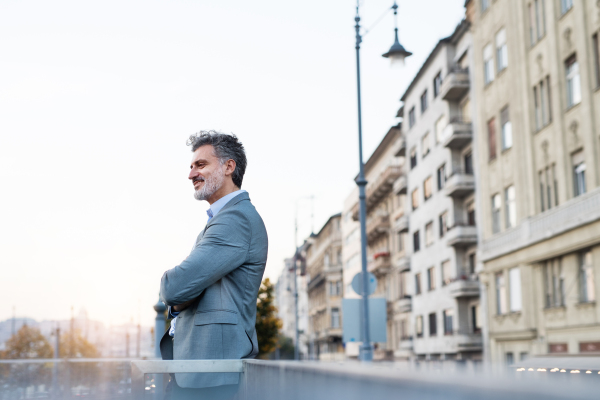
537	75
325	290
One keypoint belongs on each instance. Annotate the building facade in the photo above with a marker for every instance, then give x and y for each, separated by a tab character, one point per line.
442	232
386	250
536	75
323	252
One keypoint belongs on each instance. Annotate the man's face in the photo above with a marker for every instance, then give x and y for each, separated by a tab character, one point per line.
206	172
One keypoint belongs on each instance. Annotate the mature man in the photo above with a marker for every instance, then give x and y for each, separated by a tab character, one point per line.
212	293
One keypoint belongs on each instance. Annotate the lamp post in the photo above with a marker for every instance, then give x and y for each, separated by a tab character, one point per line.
397	53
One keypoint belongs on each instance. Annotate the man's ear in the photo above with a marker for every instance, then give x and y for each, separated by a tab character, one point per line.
230	167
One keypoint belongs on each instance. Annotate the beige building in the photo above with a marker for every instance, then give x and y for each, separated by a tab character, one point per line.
386	248
325	291
537	76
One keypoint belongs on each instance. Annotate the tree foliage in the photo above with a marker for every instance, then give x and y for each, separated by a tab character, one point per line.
267	323
28	342
74	345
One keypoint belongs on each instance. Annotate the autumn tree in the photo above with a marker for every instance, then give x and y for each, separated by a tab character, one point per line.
267	323
74	345
28	342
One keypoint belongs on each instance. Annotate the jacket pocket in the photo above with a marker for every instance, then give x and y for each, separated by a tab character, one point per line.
216	317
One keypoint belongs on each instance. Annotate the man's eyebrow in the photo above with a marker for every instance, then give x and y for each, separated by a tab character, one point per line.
197	162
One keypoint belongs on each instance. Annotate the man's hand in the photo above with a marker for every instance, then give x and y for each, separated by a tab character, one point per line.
181	307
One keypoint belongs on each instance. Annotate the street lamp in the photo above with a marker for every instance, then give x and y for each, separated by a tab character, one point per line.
397	53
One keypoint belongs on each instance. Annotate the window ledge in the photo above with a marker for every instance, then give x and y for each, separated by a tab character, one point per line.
506	150
569	108
586	304
555	308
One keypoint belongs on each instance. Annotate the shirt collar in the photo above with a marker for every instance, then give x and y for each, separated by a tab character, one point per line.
219	204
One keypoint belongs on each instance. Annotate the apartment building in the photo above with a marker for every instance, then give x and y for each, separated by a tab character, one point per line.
325	290
536	77
442	233
386	227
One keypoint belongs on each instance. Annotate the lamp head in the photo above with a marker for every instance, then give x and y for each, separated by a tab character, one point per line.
397	53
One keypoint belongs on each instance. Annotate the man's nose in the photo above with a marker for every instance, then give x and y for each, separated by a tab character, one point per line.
193	173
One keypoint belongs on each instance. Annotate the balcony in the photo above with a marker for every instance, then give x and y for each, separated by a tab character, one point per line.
464	341
379	188
377	226
455	85
400	185
401	224
460	184
462	235
403	264
457	134
381	264
406	343
403	305
400	148
461	288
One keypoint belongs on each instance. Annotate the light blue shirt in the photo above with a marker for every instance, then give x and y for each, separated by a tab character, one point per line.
212	212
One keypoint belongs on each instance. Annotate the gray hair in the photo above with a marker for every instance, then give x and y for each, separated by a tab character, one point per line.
226	147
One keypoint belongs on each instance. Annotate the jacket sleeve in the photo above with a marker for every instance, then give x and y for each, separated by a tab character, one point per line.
223	248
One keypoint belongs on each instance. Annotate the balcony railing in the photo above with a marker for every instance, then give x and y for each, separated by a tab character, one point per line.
462	235
403	305
380	187
464	287
576	212
457	134
381	263
400	186
403	263
460	184
400	148
401	224
455	85
377	226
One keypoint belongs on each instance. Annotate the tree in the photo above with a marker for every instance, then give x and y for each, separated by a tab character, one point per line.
74	345
28	342
267	323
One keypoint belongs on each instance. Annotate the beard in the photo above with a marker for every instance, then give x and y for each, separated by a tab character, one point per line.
211	184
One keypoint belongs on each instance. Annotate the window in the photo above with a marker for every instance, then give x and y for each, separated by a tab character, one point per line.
448	321
542	105
596	45
403	330
510	205
485	4
419	326
411	117
401	238
496	204
573	81
587	289
415	199
404	276
565	5
506	128
469	163
446	273
428	188
523	355
335	288
429	234
510	359
440	124
425	144
431	278
579	187
335	317
501	50
424	101
418	283
416	242
514	276
491	138
537	20
476	318
500	294
472	263
437	84
443	223
548	188
441	177
488	64
471	214
554	283
432	324
413	157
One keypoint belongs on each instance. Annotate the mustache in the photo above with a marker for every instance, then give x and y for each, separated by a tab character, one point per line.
198	179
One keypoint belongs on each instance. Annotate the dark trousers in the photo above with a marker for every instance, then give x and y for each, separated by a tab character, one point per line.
174	392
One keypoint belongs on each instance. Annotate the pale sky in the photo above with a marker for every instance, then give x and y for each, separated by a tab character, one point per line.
98	98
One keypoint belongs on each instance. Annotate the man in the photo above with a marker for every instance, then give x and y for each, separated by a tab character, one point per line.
213	292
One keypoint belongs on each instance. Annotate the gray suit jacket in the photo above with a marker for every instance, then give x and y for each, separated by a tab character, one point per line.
223	274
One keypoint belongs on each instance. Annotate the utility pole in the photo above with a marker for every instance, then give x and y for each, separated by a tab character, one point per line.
55	387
